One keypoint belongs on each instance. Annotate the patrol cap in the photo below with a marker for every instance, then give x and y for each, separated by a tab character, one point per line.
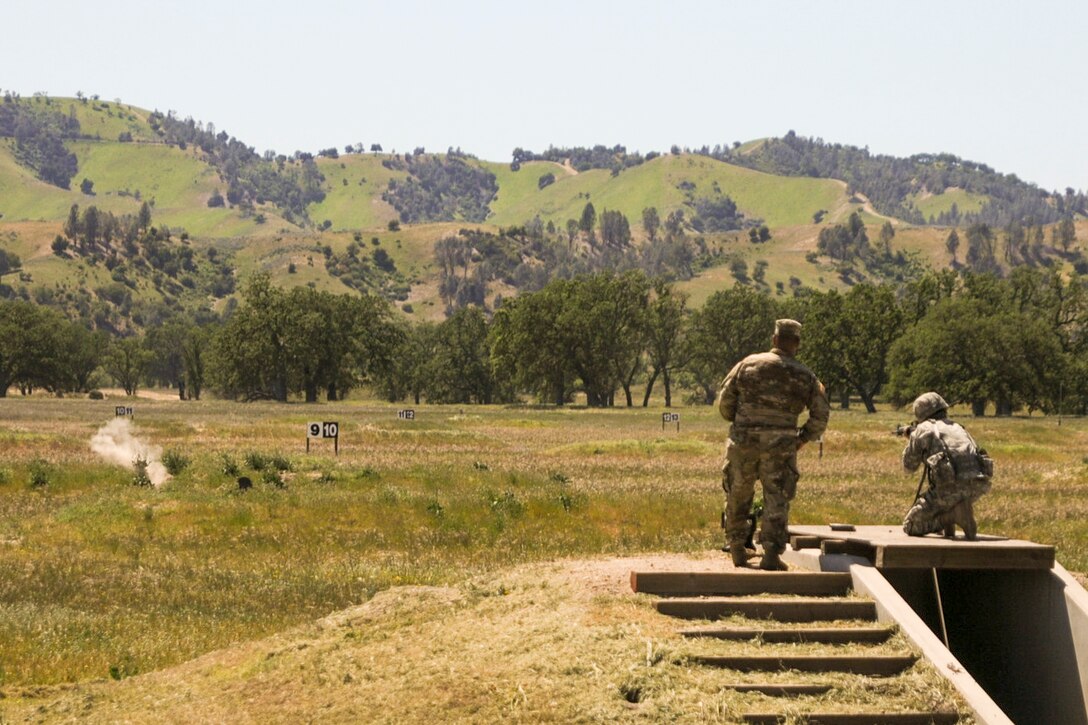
927	405
788	328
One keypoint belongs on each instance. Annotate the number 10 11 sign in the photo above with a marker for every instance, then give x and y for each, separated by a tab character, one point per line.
326	429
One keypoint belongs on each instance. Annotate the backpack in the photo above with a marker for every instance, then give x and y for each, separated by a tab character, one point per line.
963	461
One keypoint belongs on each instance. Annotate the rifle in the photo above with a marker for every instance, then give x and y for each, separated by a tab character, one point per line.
904	431
753	521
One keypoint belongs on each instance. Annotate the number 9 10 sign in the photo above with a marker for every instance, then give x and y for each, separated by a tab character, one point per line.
326	429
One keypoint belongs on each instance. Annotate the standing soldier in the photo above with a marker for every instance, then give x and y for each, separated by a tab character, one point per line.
959	472
762	397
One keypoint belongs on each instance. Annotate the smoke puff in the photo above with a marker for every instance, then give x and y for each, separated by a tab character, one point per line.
117	443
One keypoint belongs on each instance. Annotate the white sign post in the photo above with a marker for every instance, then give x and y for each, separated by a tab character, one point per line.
670	418
325	429
406	414
123	410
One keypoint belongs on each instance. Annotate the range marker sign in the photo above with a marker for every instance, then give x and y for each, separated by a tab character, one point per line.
670	418
324	429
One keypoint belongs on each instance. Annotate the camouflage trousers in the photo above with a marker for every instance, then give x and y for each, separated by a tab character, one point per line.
933	510
772	459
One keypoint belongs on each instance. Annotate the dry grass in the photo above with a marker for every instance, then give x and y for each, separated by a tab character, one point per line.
559	642
100	578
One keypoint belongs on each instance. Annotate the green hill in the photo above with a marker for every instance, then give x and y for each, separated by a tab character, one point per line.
778	201
131	156
353	188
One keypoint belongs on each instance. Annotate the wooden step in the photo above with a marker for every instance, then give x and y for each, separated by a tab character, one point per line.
677	583
867	718
784	689
782	610
822	635
875	666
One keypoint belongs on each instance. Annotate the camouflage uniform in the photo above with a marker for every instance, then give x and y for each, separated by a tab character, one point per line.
955	474
762	397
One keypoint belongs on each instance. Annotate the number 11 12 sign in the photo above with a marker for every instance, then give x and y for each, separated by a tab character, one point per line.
325	429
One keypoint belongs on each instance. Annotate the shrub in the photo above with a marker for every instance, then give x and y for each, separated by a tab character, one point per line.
175	462
279	463
5	476
96	395
256	461
506	503
228	465
272	478
38	473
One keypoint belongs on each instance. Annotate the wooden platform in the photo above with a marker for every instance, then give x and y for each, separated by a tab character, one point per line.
875	718
736	583
871	665
888	547
823	635
782	610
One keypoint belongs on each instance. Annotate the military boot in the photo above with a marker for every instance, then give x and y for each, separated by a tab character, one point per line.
771	560
739	555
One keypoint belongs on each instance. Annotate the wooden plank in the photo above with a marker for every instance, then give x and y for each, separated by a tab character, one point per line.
962	556
676	583
890	547
804	542
823	635
784	689
833	546
866	718
783	610
874	666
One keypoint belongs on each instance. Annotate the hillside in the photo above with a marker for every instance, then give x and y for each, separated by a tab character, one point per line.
126	156
778	201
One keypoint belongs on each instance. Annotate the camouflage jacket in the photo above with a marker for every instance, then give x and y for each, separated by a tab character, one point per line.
947	448
769	390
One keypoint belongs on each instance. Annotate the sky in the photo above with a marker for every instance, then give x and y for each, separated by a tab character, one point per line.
995	82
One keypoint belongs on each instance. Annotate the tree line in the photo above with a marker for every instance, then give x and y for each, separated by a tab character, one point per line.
440	188
291	183
529	256
1002	344
39	135
891	183
582	158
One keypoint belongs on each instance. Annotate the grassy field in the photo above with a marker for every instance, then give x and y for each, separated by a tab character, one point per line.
934	204
100	577
358	203
779	201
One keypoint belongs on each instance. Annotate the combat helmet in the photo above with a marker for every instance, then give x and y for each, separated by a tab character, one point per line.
927	405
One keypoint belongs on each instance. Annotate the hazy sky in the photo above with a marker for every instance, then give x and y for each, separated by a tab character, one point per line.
996	82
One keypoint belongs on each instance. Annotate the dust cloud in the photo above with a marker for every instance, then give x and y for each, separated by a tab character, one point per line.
117	443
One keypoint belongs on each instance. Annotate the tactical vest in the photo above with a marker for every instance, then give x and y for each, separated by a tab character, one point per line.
958	459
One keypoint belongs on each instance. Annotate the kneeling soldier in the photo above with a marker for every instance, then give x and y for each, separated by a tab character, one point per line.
959	472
